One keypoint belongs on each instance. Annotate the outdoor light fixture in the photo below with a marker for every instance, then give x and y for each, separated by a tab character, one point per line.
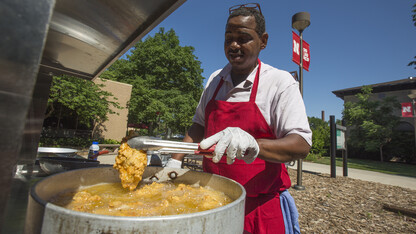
300	21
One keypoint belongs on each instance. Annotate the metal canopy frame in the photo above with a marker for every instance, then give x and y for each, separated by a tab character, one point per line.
44	38
86	37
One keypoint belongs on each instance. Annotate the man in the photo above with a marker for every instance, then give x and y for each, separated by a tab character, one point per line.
255	115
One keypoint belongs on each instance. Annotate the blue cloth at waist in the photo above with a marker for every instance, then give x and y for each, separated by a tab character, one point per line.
290	213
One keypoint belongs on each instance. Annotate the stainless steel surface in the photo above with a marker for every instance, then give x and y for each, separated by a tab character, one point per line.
162	146
23	26
16	207
53	165
56	150
34	119
44	217
85	37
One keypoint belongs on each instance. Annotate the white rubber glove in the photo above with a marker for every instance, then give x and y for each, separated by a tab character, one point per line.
173	163
237	142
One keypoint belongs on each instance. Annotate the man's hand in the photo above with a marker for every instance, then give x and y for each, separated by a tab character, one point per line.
237	142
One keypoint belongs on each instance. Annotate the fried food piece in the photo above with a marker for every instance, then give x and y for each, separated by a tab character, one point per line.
84	201
131	164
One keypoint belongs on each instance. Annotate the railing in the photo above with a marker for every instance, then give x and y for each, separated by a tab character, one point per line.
193	162
65	133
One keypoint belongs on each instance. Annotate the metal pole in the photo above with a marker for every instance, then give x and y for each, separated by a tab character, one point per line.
345	153
301	63
344	162
299	185
333	150
414	124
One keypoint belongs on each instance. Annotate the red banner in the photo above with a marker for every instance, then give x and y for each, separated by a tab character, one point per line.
407	110
296	53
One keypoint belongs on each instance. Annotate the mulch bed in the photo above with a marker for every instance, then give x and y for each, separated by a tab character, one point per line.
345	205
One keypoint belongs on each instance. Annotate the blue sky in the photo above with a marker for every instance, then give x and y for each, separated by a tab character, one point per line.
352	43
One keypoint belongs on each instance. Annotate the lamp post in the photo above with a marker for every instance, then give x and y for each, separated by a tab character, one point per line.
300	21
412	96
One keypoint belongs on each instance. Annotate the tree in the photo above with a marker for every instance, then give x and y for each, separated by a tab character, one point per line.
413	63
371	122
80	99
166	79
320	136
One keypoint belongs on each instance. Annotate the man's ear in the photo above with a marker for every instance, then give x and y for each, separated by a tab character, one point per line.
264	39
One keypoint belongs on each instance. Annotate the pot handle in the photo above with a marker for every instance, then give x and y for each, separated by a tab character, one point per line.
205	152
99	153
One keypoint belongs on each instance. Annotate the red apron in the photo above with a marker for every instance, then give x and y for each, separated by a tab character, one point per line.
262	180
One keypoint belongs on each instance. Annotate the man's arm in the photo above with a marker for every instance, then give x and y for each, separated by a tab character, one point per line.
239	144
195	134
286	149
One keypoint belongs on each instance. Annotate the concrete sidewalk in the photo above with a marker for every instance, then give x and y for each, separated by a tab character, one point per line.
107	159
401	181
383	178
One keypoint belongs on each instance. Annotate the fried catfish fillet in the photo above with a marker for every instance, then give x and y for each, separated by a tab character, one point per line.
131	164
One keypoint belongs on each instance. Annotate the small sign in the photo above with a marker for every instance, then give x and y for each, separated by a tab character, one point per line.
341	137
407	110
296	52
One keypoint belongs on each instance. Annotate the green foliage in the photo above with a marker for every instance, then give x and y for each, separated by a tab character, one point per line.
108	141
313	157
320	136
64	142
412	63
371	122
72	142
81	99
402	146
166	79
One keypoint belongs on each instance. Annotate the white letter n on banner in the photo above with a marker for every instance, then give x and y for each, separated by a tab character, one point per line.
296	47
407	109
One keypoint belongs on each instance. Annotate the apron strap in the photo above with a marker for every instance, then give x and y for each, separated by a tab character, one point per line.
255	84
217	89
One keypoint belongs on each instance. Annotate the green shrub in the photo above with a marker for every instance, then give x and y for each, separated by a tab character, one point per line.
401	146
73	142
108	141
313	157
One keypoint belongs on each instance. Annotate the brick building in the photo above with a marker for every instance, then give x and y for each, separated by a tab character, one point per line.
398	88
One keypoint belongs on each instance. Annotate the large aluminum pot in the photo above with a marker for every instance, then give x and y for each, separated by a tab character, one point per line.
45	217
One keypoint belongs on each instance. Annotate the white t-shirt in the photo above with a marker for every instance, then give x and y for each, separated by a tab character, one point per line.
278	98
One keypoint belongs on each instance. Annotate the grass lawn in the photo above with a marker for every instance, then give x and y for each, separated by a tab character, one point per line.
370	165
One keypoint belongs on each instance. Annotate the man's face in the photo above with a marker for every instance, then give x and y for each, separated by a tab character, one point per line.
242	44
